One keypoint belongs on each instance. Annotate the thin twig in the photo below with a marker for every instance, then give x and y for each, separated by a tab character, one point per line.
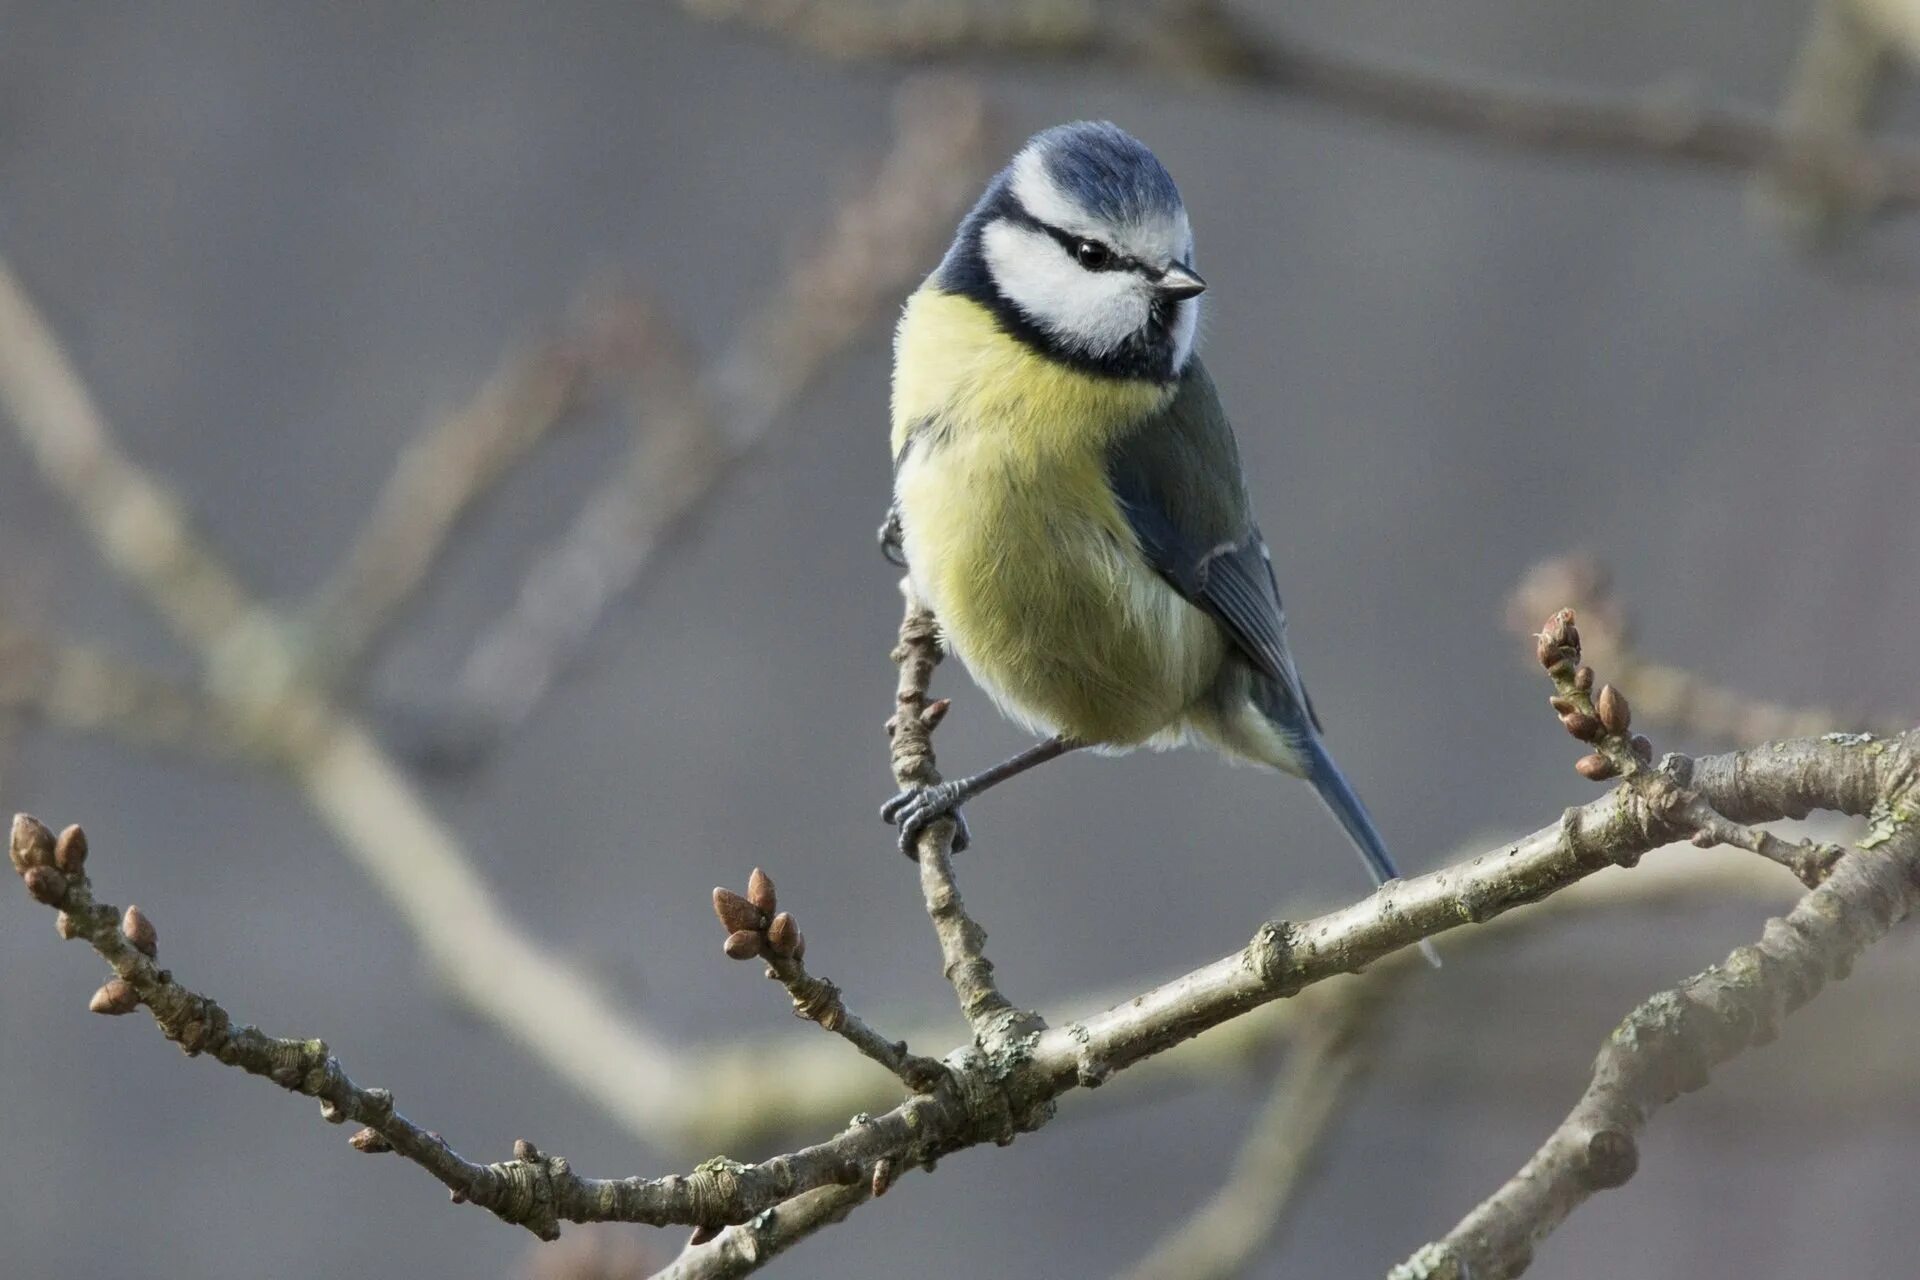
962	939
758	929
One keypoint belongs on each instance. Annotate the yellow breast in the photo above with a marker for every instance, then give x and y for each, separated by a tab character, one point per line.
1014	537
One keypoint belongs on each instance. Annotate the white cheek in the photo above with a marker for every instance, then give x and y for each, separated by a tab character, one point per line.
1186	328
1095	311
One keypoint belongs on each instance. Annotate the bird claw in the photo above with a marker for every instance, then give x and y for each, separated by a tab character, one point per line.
918	808
893	540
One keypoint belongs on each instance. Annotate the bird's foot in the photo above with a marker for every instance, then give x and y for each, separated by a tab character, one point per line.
893	539
917	808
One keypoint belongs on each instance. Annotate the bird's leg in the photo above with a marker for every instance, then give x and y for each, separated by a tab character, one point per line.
892	539
917	808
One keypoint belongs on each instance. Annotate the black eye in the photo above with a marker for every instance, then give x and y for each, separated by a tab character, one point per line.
1092	255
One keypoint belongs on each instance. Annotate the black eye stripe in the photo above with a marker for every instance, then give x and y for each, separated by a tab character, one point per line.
1071	243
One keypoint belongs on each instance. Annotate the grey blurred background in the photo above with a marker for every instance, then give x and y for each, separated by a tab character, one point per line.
280	237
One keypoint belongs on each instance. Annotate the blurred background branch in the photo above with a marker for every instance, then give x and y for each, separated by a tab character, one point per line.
1687	702
1206	41
696	424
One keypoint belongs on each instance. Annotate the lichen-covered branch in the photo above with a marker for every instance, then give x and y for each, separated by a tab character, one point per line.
1205	41
744	1249
1670	1044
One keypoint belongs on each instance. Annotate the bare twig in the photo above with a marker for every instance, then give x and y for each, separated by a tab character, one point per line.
1203	40
702	425
757	928
962	939
1603	719
1219	1239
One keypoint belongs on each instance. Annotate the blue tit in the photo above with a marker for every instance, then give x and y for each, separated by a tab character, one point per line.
1068	496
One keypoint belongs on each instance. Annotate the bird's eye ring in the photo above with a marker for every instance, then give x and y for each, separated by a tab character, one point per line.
1092	255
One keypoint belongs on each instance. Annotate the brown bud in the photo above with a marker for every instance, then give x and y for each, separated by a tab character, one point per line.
783	935
47	885
882	1176
370	1142
701	1235
1581	725
456	1195
934	712
736	913
140	932
525	1151
744	944
1613	709
31	845
70	850
63	924
1583	679
1561	631
1561	706
116	996
1545	649
1642	748
760	892
1594	768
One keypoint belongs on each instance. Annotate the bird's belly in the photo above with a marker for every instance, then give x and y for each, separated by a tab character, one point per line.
1039	587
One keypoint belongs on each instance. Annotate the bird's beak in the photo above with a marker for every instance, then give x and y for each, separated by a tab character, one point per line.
1180	281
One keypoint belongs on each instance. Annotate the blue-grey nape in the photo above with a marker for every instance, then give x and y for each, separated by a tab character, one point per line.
1107	171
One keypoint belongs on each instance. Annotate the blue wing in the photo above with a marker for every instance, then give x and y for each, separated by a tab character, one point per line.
1177	477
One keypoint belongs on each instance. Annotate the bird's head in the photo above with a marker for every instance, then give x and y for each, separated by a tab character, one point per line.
1081	245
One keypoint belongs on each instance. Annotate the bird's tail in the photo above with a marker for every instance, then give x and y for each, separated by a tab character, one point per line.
1339	797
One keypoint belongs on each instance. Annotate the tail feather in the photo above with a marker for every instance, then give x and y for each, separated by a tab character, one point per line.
1344	803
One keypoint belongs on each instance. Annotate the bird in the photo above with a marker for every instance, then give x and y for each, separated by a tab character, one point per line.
1068	496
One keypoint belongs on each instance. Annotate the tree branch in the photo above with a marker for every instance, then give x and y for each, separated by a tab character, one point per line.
1670	1044
1201	40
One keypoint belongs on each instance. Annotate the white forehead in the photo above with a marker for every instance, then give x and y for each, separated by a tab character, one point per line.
1155	238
